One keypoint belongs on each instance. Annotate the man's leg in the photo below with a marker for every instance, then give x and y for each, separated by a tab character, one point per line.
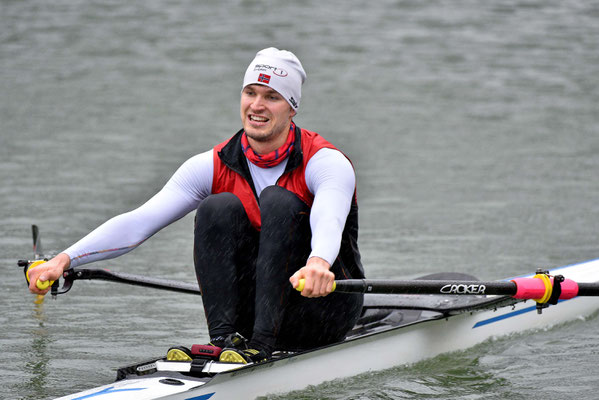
225	248
315	322
283	316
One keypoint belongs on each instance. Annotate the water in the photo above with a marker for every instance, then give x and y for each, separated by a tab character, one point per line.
473	127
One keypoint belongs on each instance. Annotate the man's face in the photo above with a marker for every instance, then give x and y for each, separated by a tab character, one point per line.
265	114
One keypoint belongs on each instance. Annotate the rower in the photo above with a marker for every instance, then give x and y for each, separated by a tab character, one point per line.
274	204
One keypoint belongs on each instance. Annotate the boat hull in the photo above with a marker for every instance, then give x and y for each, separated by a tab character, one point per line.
430	335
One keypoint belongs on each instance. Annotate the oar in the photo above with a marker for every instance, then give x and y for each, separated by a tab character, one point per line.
542	288
73	274
38	254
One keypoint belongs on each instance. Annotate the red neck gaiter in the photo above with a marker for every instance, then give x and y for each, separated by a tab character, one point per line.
273	158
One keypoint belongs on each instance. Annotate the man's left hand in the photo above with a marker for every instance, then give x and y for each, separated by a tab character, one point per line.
318	278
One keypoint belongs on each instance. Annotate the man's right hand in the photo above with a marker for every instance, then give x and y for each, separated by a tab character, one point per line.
48	271
318	278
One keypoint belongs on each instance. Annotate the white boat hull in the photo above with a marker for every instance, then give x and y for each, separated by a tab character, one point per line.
375	352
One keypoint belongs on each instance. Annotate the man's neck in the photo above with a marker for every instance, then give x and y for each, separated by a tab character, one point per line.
265	147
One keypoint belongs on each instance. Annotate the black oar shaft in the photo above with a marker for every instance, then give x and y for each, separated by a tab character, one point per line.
425	287
131	279
588	289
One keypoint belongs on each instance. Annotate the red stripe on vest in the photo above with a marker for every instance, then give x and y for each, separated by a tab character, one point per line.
227	180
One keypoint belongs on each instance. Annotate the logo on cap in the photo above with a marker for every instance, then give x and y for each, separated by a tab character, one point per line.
264	78
277	71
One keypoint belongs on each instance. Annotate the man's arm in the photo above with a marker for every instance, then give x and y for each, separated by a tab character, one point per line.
187	187
330	176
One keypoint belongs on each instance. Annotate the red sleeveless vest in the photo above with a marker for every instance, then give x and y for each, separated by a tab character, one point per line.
229	171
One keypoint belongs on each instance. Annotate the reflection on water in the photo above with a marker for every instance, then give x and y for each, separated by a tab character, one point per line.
37	358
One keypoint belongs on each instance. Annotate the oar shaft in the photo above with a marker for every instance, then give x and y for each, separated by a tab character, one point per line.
537	288
425	287
588	289
137	280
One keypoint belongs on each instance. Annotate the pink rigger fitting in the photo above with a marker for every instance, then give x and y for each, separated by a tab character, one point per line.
569	289
534	288
529	288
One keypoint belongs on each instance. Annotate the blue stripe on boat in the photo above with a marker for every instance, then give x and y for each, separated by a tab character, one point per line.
202	397
508	315
504	316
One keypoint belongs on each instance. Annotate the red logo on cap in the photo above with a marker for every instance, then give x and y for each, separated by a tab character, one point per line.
264	78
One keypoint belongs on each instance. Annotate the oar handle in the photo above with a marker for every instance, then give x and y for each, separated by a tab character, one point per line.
302	283
41	285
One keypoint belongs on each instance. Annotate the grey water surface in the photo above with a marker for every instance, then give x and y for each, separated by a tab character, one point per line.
473	127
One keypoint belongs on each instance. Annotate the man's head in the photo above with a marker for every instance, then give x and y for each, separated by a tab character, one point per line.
280	70
270	97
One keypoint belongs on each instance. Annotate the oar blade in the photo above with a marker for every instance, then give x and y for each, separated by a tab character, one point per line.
38	251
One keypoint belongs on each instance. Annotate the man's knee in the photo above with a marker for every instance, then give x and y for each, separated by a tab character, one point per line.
280	200
219	208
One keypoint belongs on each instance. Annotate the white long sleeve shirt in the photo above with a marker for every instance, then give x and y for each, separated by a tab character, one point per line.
329	176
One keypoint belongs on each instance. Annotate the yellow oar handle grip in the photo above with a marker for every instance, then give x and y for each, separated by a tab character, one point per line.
302	283
41	285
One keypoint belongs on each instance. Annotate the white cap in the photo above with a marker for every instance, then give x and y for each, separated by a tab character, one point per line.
280	70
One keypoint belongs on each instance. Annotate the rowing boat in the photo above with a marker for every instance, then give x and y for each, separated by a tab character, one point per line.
395	329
